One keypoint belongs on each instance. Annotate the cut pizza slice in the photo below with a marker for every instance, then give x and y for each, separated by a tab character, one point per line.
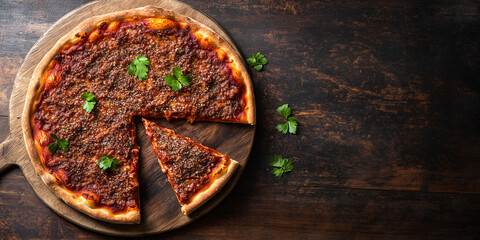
195	172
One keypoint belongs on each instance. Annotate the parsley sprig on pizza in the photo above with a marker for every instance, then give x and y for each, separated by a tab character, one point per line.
138	67
58	144
90	101
176	82
107	163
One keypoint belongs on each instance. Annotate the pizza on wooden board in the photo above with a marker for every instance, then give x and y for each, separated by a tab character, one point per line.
83	97
195	172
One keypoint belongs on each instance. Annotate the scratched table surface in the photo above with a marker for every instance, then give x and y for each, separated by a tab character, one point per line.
387	96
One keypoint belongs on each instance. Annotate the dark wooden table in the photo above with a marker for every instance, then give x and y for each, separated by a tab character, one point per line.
387	94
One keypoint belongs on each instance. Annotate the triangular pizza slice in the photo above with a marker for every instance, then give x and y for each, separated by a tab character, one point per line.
195	172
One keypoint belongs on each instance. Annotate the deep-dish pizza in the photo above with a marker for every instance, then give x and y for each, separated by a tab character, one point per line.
195	172
78	117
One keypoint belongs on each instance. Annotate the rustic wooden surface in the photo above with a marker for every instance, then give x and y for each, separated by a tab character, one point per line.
388	100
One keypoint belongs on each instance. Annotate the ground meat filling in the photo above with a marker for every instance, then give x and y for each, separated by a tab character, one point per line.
100	67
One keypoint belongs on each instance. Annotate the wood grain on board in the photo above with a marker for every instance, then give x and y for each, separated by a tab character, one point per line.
387	97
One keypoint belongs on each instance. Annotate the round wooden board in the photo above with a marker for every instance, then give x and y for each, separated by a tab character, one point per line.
159	207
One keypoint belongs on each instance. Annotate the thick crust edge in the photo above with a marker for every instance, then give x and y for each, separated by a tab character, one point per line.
84	205
215	187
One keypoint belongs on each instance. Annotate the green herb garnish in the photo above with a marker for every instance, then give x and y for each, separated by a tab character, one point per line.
58	144
282	165
106	163
291	124
138	67
176	82
257	61
90	101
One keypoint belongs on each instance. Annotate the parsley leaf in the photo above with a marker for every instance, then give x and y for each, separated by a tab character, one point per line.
257	61
282	128
106	163
172	82
291	124
58	144
138	67
284	110
278	172
90	101
282	165
176	82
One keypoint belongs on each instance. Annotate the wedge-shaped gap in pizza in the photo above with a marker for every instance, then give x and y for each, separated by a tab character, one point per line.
195	172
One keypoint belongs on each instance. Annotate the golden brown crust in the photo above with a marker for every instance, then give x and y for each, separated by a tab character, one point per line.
84	205
37	85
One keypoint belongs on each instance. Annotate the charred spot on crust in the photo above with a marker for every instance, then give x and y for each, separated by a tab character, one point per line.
102	25
37	85
83	35
87	196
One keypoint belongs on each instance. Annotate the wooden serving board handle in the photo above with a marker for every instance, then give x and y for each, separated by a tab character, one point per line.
7	156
